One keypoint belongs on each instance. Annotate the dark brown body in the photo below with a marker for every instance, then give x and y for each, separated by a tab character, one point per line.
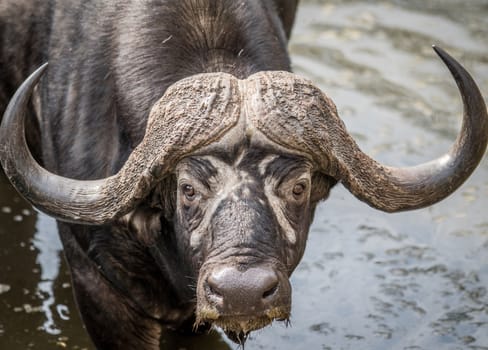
109	63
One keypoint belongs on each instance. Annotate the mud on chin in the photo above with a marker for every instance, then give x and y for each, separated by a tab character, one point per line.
237	328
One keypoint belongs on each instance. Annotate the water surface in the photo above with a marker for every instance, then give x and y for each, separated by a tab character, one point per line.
369	280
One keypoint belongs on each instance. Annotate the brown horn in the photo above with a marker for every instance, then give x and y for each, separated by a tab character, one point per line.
312	118
191	114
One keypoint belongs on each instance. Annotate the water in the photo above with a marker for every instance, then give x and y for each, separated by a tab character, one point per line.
369	280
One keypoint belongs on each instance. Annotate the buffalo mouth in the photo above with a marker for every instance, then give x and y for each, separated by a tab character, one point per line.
238	327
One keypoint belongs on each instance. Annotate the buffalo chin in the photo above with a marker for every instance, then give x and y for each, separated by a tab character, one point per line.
238	327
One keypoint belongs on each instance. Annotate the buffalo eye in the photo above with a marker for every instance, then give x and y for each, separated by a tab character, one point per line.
298	190
189	192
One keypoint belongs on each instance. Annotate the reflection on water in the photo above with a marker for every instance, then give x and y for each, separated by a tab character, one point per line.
35	297
368	280
49	260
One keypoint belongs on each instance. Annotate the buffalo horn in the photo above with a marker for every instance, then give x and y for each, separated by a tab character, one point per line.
312	127
395	189
192	113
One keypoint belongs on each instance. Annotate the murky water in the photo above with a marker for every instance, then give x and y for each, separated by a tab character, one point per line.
369	280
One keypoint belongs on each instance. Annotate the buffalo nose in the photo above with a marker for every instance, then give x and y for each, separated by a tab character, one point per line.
243	292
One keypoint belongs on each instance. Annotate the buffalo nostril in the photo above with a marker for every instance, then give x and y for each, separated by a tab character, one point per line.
270	291
213	290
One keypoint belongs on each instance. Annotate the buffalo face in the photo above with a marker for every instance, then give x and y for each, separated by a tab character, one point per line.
245	210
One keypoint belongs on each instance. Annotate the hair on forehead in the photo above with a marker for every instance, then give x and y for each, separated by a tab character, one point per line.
201	168
286	164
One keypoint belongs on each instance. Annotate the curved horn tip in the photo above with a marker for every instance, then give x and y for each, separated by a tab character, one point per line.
443	54
439	50
21	95
448	60
36	75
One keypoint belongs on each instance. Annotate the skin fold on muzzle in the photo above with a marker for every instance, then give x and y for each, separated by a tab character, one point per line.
282	111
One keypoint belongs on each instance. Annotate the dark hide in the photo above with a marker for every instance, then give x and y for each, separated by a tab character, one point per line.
108	63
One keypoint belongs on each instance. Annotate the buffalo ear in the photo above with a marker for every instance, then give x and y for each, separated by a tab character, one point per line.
321	186
164	197
145	223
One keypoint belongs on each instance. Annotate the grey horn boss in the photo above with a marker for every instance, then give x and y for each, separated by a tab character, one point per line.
184	161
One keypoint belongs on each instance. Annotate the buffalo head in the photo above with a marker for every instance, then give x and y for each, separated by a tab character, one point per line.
249	160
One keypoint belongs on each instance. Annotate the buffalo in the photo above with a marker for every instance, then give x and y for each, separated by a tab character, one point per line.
184	161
